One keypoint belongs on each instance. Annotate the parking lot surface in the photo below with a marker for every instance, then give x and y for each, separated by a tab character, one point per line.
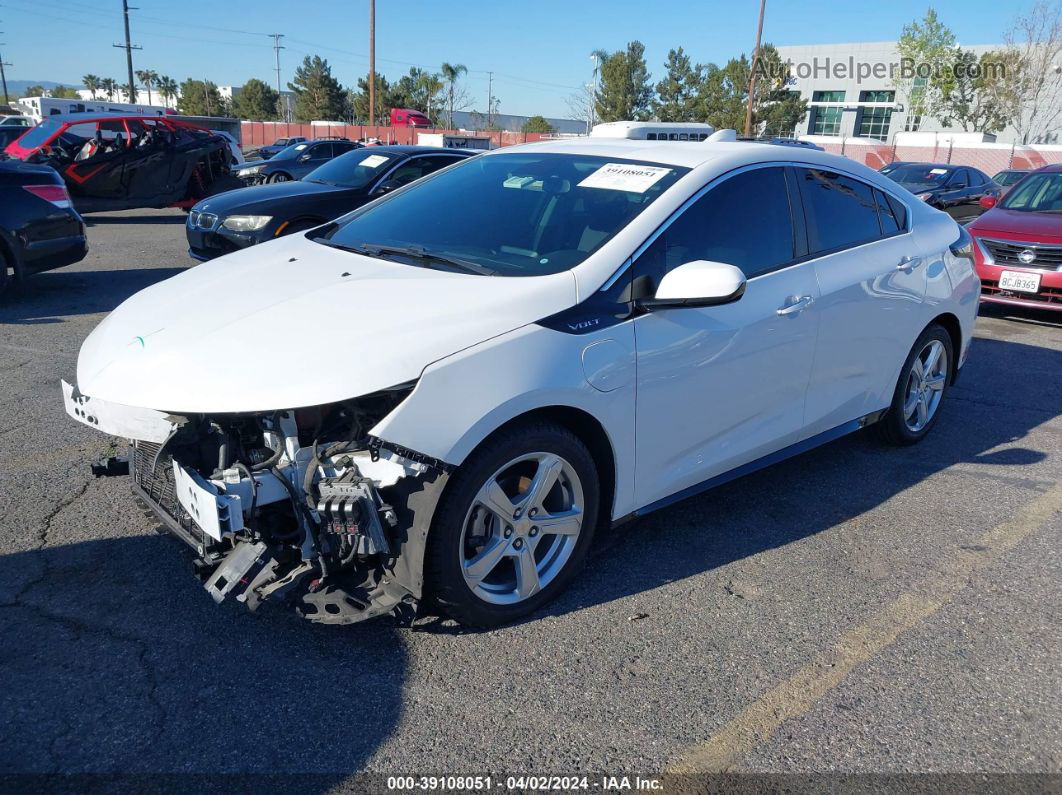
856	609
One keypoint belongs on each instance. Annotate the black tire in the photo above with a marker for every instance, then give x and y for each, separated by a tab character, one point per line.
5	279
280	176
893	428
443	564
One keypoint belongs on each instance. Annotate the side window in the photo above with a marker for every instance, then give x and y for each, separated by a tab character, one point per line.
840	211
744	221
960	179
650	137
889	224
899	212
978	177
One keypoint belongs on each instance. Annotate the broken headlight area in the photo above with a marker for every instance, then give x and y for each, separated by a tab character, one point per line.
296	506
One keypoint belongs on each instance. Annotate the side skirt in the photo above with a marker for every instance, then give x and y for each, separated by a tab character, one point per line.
760	463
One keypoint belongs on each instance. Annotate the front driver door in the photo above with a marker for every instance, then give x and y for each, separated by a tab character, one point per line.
721	386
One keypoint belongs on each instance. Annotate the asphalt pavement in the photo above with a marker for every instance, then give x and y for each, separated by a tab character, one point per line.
859	609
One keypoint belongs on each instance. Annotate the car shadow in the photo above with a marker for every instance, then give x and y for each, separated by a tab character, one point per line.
49	297
134	220
116	663
813	492
1025	316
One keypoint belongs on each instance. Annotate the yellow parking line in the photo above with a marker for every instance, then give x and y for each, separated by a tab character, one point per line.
800	693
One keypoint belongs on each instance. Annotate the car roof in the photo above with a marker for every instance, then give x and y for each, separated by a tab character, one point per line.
73	118
689	154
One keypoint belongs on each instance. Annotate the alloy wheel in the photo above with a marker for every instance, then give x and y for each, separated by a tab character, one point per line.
925	385
522	527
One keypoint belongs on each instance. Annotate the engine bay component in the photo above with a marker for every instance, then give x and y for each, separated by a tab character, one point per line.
352	510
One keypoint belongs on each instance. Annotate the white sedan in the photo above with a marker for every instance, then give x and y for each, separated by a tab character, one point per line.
441	396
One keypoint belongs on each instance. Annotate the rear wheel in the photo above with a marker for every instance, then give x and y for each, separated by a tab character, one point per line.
513	526
920	390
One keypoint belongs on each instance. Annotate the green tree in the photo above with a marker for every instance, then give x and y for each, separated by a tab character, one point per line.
927	49
676	94
62	92
109	85
256	100
148	77
536	124
976	93
199	98
625	92
318	95
723	97
92	83
384	97
167	88
455	98
420	90
35	91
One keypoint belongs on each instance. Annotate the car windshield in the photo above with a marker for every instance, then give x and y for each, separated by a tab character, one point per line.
525	214
40	134
1037	193
280	142
1005	178
353	170
920	174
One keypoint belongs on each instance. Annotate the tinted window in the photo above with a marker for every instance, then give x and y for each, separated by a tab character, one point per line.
743	221
917	175
961	179
977	177
1039	193
899	212
840	211
354	169
520	214
889	224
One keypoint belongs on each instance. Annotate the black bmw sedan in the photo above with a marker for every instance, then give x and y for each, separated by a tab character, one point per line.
240	218
957	190
39	227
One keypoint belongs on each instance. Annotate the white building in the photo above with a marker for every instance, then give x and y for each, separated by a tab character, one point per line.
851	91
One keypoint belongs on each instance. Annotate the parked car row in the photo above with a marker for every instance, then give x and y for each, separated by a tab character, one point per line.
294	161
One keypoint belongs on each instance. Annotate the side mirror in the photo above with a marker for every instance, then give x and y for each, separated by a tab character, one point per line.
697	283
388	186
988	202
304	158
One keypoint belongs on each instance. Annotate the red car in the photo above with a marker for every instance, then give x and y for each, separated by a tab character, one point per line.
122	161
1018	243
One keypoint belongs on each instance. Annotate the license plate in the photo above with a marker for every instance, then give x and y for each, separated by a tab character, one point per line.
1019	282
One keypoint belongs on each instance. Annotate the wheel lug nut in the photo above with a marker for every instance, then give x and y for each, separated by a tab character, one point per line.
508	532
533	512
534	531
518	543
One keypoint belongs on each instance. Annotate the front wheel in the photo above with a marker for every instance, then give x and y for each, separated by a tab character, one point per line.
280	176
513	526
920	390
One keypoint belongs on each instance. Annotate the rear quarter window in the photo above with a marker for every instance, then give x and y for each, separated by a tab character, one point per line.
840	211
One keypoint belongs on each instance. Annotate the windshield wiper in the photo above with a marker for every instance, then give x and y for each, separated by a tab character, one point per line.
421	253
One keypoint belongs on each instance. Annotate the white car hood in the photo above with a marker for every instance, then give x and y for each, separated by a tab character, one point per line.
292	323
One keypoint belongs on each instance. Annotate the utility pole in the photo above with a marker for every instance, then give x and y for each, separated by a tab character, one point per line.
490	99
3	77
282	108
593	94
372	63
128	47
752	75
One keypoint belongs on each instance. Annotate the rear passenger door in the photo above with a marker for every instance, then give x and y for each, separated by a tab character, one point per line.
872	281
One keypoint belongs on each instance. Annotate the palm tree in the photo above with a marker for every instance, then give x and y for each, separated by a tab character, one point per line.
429	84
450	73
92	83
109	85
598	57
148	77
167	87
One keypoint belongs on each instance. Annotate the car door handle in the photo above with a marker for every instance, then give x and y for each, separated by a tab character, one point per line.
908	264
796	304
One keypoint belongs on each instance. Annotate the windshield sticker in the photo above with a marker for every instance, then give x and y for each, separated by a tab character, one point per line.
938	171
373	161
625	177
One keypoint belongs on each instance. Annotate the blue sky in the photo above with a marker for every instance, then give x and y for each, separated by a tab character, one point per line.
538	49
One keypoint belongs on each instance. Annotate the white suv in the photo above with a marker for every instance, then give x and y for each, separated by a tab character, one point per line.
445	393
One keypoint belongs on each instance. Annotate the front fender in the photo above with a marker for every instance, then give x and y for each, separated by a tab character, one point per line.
460	400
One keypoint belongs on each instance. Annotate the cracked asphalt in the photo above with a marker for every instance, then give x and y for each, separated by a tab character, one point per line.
859	609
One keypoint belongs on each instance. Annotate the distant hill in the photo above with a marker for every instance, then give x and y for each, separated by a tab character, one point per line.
16	88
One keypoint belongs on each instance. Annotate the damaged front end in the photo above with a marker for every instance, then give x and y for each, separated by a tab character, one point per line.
298	506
